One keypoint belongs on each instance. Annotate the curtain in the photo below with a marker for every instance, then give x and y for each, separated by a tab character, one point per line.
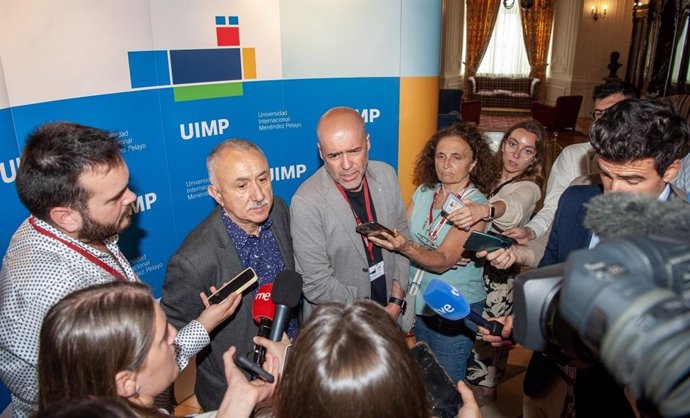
536	32
506	54
481	18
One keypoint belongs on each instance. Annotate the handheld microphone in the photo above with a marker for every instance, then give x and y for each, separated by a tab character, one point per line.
287	290
263	311
449	303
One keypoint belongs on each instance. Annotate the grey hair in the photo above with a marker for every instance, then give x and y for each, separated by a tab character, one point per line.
233	143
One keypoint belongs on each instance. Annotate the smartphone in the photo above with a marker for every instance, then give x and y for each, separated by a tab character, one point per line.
442	393
252	368
489	241
371	228
452	202
236	285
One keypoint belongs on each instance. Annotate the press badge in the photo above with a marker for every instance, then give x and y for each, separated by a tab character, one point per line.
376	271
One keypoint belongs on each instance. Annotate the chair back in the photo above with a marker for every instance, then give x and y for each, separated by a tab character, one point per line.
449	100
471	111
568	108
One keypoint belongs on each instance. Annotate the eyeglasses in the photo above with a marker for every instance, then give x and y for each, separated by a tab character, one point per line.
596	113
425	242
525	153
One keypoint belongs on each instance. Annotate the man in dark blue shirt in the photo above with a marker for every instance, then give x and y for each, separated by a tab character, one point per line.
249	228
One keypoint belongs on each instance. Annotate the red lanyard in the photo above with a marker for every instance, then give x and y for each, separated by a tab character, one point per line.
78	249
367	206
434	230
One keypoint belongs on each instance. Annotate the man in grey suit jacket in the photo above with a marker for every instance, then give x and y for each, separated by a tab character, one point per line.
249	229
337	263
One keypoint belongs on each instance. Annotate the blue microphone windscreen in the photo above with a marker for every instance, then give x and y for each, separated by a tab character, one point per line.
446	300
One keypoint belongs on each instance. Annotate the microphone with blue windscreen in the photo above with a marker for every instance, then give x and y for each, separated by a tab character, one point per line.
449	303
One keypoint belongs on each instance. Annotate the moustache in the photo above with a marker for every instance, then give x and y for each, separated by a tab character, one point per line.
259	205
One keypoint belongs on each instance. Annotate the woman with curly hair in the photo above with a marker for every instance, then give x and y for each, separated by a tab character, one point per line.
455	161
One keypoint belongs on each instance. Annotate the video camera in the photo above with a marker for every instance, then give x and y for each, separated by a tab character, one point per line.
625	303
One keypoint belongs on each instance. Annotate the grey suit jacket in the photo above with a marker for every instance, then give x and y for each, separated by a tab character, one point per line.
328	252
208	258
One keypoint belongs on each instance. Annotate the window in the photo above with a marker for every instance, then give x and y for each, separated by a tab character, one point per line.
506	54
679	54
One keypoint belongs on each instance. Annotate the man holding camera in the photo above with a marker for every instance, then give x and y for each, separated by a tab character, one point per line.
640	145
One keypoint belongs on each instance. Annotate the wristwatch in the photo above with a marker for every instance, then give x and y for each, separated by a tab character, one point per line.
400	302
492	212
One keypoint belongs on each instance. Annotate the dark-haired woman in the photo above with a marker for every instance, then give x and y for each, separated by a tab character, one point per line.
454	161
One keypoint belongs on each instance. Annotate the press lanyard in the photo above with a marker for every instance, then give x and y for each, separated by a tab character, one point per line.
93	259
435	230
500	186
367	206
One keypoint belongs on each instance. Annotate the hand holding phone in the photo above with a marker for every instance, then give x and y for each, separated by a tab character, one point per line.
237	285
445	399
371	228
255	370
489	241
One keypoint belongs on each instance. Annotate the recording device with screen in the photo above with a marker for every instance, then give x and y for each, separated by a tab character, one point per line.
625	302
371	228
489	241
237	284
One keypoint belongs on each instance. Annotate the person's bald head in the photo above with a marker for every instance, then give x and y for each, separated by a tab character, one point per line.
339	119
344	146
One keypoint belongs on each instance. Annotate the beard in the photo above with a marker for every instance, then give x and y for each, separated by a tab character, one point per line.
93	230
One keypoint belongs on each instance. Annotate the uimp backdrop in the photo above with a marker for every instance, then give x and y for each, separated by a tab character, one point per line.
173	78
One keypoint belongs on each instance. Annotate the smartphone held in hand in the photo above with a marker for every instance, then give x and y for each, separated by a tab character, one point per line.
489	241
252	368
237	284
371	228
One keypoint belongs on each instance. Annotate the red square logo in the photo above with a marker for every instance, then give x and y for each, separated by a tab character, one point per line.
228	36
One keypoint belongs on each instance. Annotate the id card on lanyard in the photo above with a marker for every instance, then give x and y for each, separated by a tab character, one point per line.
375	270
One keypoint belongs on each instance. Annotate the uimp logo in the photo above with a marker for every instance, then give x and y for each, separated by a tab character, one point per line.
287	172
203	129
143	202
8	170
196	74
369	115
